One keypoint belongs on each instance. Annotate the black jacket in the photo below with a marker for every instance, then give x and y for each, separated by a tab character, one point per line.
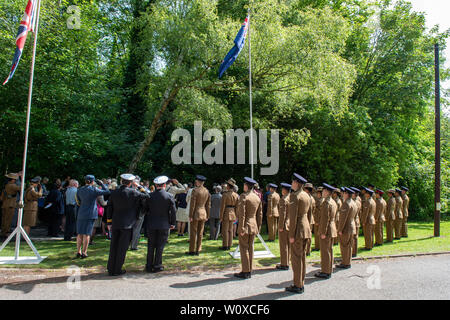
161	211
123	207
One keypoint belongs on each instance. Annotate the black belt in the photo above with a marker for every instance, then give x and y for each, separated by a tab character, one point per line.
230	207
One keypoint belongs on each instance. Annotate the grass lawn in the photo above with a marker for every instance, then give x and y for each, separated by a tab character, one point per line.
60	254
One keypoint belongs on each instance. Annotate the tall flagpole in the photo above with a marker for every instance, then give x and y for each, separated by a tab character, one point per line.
19	231
250	87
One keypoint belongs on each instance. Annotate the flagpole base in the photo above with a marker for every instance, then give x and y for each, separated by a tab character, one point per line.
21	260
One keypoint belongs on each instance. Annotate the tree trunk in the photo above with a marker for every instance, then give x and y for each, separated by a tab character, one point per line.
169	95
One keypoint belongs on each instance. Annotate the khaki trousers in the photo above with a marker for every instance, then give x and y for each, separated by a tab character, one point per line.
285	248
368	235
326	255
404	230
196	235
346	244
246	249
272	225
398	228
308	246
379	233
316	237
298	260
7	216
389	230
355	242
227	233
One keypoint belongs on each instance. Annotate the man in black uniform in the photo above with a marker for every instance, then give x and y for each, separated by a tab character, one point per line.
122	212
161	213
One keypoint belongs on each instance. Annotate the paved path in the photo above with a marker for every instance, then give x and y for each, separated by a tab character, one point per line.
402	278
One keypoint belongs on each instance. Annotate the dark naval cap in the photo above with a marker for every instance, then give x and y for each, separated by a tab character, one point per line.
348	190
89	177
286	185
380	192
273	185
299	178
368	190
328	187
405	188
35	180
398	190
249	181
355	189
200	178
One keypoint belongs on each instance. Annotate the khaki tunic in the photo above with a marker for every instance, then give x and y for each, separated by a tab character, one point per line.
390	218
228	216
368	221
404	231
398	217
273	200
347	227
379	220
283	226
9	195
316	218
249	212
31	206
328	228
199	209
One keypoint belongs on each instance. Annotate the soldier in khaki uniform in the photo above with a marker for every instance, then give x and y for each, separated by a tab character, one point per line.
299	232
357	199
405	207
308	189
198	214
249	212
273	200
379	217
32	195
327	232
368	218
346	227
9	196
336	197
390	216
228	213
316	216
398	214
283	228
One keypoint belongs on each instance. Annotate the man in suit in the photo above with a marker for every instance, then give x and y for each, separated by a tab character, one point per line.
379	217
346	227
398	214
299	232
273	200
308	189
249	212
199	211
327	233
228	213
405	211
161	213
122	212
283	235
357	199
316	216
368	218
390	216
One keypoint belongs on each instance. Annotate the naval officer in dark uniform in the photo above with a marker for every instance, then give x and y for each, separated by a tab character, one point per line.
161	214
122	212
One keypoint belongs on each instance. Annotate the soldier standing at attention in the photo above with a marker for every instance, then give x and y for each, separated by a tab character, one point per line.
398	214
308	189
357	200
390	216
228	213
32	195
336	194
273	200
249	212
299	232
327	232
8	197
368	218
405	198
379	217
198	214
316	216
346	228
283	235
122	212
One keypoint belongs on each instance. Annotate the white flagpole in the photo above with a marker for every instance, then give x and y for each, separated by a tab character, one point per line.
19	229
250	87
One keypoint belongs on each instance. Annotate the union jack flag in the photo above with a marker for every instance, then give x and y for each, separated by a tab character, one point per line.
28	23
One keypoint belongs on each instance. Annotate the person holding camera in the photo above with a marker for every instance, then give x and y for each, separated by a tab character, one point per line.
87	212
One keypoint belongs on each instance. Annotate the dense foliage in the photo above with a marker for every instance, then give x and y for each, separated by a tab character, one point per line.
349	83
